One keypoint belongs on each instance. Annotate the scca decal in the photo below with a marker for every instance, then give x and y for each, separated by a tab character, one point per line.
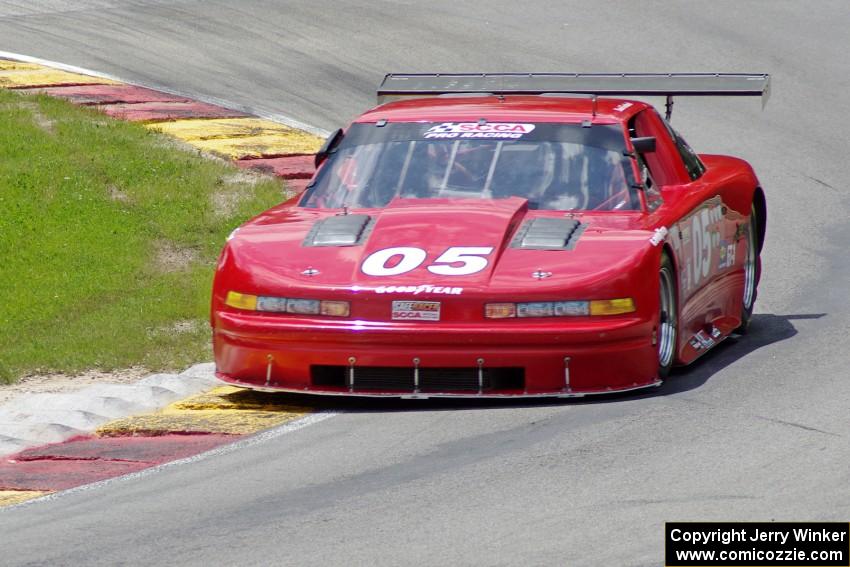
383	262
504	130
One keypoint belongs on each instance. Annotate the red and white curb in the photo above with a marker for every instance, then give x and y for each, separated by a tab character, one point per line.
30	420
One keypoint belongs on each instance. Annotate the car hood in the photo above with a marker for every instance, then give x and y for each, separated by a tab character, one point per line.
277	252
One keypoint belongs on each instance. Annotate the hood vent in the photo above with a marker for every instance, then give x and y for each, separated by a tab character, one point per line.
340	230
548	234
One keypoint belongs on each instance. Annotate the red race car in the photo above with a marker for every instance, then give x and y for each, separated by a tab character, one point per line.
497	235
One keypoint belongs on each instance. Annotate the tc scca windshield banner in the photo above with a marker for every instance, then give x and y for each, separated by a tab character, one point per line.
606	136
466	130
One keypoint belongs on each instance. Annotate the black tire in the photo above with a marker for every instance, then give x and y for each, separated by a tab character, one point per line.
668	317
752	273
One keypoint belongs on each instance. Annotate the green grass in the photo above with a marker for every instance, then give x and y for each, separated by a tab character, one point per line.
87	205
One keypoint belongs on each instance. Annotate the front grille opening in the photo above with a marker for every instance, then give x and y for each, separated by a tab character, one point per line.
329	376
434	380
381	378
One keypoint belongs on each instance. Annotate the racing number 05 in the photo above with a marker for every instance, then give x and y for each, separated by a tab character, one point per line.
455	261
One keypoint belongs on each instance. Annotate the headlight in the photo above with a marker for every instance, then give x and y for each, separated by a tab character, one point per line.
559	308
287	305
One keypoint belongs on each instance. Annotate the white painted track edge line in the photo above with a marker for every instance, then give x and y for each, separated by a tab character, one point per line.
225	449
274	117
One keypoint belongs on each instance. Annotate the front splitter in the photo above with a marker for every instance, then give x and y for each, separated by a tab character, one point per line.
426	395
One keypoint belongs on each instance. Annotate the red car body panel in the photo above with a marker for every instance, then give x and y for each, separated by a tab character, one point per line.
697	223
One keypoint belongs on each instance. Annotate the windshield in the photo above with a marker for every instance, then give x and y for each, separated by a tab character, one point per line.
553	166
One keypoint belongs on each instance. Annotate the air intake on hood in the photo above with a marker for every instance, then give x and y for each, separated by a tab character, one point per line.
548	234
340	230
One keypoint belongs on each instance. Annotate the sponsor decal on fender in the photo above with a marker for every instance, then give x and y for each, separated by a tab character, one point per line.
702	340
417	289
659	236
727	255
499	130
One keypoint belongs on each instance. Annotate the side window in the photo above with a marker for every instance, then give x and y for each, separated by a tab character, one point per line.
653	194
691	160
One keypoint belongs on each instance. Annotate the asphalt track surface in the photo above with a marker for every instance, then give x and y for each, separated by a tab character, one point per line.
758	430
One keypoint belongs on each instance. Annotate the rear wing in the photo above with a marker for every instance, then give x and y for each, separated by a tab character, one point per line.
396	86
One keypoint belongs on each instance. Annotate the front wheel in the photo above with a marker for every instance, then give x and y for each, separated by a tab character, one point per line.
667	317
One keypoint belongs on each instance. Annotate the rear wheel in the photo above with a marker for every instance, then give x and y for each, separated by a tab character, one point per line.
667	317
751	273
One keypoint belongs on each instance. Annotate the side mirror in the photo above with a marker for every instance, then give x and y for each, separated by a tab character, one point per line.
328	146
644	145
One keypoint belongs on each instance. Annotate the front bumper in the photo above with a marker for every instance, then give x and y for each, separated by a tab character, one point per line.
381	359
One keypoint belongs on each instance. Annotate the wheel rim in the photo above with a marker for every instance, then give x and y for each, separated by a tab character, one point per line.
667	320
750	266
